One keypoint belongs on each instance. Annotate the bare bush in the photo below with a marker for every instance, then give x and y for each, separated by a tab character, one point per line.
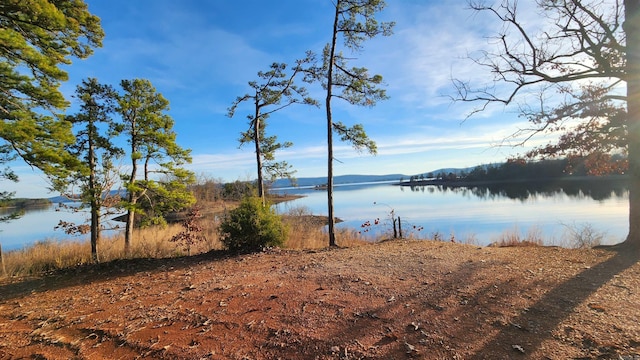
583	236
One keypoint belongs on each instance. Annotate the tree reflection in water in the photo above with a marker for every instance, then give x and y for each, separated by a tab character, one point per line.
594	188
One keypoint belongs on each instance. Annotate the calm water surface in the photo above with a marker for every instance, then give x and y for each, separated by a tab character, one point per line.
39	224
479	214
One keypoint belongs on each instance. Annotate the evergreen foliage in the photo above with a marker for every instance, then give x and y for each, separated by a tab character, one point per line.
275	91
38	37
251	227
355	21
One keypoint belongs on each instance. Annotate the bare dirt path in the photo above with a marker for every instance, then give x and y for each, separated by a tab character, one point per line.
394	300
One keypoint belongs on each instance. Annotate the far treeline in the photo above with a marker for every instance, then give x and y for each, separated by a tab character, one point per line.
520	170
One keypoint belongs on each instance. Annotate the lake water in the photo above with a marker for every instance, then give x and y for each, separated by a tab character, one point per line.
480	214
39	224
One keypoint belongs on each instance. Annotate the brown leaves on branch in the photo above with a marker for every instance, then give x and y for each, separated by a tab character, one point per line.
192	232
73	229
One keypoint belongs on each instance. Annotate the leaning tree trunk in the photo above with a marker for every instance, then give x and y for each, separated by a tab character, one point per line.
632	29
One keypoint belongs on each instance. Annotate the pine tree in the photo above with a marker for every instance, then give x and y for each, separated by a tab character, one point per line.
274	91
92	179
355	21
151	139
38	37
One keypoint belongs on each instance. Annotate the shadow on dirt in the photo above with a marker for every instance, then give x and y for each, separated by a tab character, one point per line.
424	314
85	274
561	301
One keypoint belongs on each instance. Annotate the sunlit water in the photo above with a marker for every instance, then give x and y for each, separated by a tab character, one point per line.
39	225
480	216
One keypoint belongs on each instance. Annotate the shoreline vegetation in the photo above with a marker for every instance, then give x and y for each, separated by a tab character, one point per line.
307	229
462	182
25	204
155	242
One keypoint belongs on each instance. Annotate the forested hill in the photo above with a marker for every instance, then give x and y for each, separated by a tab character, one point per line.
343	179
525	171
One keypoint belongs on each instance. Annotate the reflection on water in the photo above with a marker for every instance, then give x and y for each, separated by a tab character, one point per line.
482	213
594	189
37	224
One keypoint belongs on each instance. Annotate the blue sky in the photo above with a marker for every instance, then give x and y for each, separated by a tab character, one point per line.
200	55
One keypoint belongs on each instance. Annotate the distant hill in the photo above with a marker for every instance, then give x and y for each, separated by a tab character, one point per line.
338	180
64	199
353	179
459	171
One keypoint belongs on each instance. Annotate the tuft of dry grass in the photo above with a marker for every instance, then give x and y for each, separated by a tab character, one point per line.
306	231
513	237
46	255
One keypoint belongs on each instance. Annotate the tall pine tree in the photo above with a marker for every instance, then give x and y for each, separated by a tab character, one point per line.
36	38
152	143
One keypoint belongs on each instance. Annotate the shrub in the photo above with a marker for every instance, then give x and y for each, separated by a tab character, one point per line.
584	236
251	227
192	232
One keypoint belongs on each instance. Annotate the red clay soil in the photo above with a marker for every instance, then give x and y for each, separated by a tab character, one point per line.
394	300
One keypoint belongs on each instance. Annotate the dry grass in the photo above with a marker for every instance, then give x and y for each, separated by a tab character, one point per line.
513	237
153	242
305	232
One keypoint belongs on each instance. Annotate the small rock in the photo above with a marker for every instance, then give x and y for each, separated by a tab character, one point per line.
518	348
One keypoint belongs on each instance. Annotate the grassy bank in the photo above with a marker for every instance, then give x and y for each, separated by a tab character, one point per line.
156	242
305	232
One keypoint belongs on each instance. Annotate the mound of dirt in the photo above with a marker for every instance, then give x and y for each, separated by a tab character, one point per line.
394	300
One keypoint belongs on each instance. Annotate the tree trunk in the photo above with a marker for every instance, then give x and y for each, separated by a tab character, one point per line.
131	217
94	201
256	140
132	196
95	230
632	29
332	220
3	270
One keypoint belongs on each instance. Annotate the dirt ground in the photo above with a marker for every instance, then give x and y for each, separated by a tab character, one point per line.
393	300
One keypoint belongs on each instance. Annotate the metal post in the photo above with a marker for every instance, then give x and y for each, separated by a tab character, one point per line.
400	227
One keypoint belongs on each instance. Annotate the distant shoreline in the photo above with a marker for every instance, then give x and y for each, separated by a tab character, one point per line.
466	183
25	204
